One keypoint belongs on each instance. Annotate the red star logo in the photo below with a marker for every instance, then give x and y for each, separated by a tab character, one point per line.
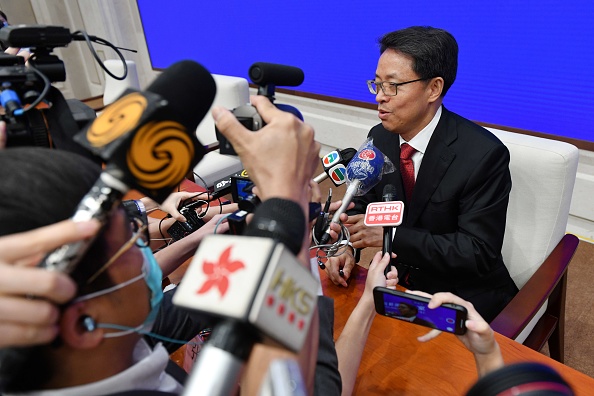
217	273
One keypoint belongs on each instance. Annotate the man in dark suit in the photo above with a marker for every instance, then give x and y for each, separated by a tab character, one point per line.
452	175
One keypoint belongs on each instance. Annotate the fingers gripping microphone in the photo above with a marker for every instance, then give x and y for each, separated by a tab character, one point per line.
363	172
148	142
334	164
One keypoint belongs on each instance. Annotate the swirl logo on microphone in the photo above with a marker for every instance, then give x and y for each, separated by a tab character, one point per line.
117	119
160	154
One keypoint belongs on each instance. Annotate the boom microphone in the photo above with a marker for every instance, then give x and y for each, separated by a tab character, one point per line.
262	73
334	164
363	172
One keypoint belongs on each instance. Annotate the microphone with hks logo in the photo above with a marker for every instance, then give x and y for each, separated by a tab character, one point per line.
259	289
364	171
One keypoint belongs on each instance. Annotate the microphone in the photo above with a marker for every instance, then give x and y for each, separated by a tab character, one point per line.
259	289
148	142
387	214
334	164
363	172
262	73
389	194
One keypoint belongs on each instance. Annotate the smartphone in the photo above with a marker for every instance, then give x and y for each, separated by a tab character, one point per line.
411	308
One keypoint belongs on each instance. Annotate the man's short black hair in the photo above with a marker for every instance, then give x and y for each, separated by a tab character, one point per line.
3	15
434	51
39	187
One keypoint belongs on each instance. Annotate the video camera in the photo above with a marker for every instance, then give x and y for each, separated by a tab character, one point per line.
19	86
23	88
267	76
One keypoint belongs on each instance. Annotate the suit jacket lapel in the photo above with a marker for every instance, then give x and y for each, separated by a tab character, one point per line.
436	161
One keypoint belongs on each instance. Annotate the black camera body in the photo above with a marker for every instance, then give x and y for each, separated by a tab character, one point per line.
20	86
267	76
248	116
179	230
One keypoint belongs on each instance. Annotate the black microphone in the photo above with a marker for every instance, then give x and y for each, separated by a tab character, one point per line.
264	294
388	195
334	164
262	73
148	142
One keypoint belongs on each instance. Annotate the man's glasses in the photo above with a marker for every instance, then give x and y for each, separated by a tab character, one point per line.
387	87
140	237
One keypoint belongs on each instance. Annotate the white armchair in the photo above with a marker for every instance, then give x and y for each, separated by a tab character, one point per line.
114	88
231	92
536	249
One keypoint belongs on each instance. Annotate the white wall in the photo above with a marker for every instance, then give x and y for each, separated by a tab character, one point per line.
118	21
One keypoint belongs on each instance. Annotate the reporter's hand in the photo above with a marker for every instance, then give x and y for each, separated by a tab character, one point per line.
173	201
375	274
25	321
285	146
479	338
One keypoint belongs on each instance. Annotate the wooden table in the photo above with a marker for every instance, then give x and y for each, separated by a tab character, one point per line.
395	363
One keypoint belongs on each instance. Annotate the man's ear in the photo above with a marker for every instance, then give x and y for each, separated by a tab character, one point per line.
435	88
78	329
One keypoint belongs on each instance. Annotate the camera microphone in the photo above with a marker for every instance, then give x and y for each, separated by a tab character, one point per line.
262	73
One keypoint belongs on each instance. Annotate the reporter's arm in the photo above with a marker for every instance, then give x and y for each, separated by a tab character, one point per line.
174	255
351	342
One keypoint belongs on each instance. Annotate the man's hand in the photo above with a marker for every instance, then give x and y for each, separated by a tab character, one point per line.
344	262
361	235
25	321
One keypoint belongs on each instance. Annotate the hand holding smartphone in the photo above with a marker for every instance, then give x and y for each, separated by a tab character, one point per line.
411	308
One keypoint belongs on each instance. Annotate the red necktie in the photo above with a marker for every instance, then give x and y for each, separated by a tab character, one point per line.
407	169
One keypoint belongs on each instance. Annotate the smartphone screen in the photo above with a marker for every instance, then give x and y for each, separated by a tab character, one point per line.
411	308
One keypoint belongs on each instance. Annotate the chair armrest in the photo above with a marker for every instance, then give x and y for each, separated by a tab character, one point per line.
522	308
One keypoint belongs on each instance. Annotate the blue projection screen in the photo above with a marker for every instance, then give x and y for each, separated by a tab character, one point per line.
526	65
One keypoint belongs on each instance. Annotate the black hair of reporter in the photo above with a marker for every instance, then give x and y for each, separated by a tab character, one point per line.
40	186
525	379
